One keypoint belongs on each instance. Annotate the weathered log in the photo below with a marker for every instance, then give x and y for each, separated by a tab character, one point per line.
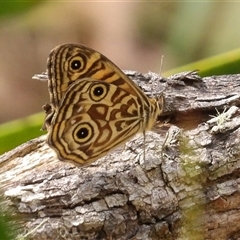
186	187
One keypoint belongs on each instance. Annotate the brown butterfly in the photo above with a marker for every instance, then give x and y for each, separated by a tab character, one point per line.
94	107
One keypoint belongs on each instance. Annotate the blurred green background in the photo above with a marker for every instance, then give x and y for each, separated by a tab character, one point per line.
134	35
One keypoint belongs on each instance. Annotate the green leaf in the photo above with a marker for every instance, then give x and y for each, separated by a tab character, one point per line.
16	7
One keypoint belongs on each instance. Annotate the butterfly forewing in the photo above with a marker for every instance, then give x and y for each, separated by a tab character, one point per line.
70	62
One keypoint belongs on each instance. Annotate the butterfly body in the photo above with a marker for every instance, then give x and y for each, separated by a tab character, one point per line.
94	107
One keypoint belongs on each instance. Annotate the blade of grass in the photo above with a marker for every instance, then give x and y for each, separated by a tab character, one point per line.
226	63
19	131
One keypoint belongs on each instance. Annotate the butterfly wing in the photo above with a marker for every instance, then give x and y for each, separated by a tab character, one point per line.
70	62
93	118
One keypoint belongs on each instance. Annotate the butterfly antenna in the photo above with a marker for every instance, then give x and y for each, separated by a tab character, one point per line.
161	65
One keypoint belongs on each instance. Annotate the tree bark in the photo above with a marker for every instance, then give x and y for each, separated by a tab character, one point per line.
186	186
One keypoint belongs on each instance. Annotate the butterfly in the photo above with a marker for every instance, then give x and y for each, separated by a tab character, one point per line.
94	106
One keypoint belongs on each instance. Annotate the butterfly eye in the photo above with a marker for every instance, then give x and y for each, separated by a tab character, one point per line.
75	64
83	132
98	91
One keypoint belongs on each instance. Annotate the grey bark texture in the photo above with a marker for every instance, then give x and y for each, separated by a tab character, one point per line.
187	186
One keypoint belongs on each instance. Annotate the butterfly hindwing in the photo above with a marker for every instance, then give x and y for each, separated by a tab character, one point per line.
93	118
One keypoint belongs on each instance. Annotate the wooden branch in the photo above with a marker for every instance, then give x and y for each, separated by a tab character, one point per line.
187	187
